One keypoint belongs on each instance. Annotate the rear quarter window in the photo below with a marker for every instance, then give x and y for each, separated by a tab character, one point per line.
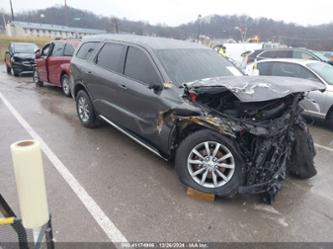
86	50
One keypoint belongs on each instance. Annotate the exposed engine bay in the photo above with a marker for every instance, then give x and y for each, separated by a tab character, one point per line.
270	134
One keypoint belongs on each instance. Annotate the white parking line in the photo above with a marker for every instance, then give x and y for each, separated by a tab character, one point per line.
103	221
324	147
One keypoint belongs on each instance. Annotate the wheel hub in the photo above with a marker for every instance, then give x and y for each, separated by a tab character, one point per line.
83	109
211	164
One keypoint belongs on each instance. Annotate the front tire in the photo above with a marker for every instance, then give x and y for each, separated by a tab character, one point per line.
8	69
330	119
85	110
16	74
209	162
65	85
36	79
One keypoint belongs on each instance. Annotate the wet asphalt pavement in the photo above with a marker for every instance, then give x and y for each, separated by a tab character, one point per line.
140	192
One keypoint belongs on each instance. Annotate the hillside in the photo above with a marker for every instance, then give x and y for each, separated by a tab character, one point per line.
316	37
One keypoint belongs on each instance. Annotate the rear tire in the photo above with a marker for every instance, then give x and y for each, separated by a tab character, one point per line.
85	110
65	85
224	186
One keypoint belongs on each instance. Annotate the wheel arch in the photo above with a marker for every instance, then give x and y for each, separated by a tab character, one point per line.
183	129
78	87
330	112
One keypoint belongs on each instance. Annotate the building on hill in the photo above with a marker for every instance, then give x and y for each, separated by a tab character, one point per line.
17	28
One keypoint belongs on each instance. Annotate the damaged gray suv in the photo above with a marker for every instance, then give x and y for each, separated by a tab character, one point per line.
227	133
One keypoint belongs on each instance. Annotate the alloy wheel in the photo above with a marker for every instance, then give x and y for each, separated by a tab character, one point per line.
65	85
83	108
211	164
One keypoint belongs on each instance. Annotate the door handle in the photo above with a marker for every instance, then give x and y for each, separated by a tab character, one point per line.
123	86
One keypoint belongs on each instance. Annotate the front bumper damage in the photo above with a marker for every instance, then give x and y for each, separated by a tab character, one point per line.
268	149
263	118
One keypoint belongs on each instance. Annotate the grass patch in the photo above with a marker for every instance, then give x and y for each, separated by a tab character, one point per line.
5	40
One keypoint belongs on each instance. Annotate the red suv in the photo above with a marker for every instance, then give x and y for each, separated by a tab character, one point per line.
53	64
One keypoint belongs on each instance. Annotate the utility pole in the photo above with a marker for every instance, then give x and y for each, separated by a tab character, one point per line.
66	13
11	8
199	26
115	25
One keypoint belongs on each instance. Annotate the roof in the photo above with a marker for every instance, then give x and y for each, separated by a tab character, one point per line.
155	43
295	61
74	42
32	25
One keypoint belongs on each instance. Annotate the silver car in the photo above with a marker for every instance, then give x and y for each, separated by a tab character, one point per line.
317	104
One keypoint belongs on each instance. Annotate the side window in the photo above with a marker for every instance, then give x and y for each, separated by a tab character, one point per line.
139	67
264	68
277	54
303	55
284	69
46	50
86	50
69	50
283	54
305	73
58	49
111	57
292	70
267	54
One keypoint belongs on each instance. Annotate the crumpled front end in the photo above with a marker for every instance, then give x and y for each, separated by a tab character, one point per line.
269	136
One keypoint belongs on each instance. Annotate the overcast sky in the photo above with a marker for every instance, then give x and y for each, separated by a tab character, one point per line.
175	12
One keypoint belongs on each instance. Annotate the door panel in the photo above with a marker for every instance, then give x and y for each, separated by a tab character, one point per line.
54	68
54	63
106	80
41	63
142	106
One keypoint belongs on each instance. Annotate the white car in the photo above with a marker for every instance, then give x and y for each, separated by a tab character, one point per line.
318	104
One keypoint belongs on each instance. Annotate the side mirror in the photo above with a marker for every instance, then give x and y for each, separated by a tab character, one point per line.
156	86
37	54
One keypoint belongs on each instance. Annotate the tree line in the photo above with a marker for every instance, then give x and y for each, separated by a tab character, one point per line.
318	37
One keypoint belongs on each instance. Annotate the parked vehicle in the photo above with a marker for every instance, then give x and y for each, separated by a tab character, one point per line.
295	53
53	64
318	104
181	100
19	58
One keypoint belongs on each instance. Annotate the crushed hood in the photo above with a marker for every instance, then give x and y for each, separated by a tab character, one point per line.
259	88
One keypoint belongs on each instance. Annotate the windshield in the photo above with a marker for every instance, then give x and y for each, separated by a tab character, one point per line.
186	65
324	70
28	48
